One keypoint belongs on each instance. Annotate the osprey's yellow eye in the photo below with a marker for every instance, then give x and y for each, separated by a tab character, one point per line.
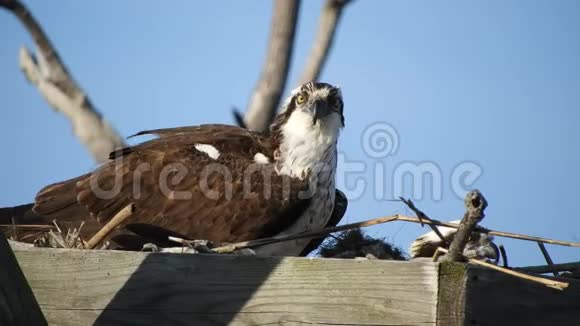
300	99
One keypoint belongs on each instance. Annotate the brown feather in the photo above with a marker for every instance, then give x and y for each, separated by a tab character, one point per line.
246	215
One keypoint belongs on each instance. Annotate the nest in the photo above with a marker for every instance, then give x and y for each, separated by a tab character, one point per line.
354	243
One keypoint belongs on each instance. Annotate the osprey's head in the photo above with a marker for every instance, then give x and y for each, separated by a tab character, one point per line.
308	125
314	103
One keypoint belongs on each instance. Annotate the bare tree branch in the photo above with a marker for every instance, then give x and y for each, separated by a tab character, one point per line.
475	205
49	74
329	19
264	101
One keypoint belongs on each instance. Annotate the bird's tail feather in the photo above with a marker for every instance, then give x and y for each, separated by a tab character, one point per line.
58	200
53	202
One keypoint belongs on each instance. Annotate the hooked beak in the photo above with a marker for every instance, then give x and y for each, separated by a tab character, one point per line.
320	110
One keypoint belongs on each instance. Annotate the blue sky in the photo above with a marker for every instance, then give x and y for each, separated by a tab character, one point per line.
492	83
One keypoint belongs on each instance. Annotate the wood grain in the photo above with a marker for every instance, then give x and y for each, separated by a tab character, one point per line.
77	287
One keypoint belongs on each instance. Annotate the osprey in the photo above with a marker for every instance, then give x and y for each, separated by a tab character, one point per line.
216	182
480	245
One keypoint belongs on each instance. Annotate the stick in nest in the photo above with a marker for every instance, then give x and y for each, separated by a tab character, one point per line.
547	257
119	218
493	232
311	234
28	226
504	257
422	217
558	285
375	221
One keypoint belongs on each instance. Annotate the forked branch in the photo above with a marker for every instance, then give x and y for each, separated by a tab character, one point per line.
48	73
266	96
327	24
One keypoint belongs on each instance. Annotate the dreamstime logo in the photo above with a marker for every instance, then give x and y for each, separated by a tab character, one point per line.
379	174
417	180
380	140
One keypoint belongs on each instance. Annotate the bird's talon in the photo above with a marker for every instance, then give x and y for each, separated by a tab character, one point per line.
150	247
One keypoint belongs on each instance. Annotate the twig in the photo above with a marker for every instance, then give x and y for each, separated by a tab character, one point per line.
57	239
179	240
422	217
325	35
56	226
475	205
493	232
119	218
28	226
310	234
266	96
48	73
380	220
547	257
77	236
547	282
504	257
542	269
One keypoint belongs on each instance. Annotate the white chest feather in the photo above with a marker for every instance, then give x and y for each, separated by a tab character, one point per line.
307	149
305	146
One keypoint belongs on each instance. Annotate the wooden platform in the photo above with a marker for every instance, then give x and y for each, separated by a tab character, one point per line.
78	287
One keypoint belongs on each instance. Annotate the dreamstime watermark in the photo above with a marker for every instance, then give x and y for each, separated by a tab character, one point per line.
375	174
388	179
216	181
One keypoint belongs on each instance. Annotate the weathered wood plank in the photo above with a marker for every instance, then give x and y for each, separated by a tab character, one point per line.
17	303
451	296
76	287
493	298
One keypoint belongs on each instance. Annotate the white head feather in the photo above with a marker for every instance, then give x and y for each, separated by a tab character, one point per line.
307	144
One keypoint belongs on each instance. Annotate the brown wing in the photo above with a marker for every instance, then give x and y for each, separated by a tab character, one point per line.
227	138
198	130
182	190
